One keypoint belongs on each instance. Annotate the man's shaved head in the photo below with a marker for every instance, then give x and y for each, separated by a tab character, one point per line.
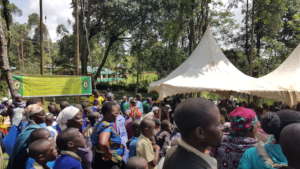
147	127
40	133
193	113
70	135
290	143
136	163
198	121
38	147
147	123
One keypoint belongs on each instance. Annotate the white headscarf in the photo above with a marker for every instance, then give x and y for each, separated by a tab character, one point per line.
65	115
155	108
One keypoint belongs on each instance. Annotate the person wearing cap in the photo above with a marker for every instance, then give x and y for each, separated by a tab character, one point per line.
242	133
18	102
36	117
154	114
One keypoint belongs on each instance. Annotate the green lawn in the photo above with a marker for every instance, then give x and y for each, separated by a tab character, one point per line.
149	77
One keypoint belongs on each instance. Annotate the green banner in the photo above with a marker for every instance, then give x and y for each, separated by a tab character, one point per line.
47	86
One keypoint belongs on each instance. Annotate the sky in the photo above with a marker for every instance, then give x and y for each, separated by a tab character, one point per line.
59	12
56	12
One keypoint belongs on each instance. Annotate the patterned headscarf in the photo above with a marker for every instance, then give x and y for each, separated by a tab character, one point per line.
242	119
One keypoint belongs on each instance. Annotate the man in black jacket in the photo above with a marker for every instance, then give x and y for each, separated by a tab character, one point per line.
198	121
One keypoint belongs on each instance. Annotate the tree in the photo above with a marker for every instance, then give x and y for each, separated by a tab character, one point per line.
4	44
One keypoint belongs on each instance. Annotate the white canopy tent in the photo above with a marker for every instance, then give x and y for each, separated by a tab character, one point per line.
207	69
285	80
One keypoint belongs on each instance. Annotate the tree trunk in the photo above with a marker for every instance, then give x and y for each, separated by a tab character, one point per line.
252	39
111	41
19	55
22	55
206	17
77	52
84	36
41	39
191	35
4	63
247	37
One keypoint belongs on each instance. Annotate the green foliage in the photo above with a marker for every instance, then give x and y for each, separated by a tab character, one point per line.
137	36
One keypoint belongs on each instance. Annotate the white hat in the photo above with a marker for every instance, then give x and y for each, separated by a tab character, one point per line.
65	115
4	99
155	108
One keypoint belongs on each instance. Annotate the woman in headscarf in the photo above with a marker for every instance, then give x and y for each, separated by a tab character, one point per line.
241	137
270	156
36	117
108	147
69	117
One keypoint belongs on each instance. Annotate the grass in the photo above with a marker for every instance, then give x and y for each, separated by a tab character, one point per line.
147	76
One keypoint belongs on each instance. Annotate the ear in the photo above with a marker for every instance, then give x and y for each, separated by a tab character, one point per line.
199	133
41	157
70	144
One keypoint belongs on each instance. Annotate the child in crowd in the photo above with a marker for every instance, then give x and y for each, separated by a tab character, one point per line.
133	141
41	133
144	148
163	137
42	151
136	163
38	134
68	142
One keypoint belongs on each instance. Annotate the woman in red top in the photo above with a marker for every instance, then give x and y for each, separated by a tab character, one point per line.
134	113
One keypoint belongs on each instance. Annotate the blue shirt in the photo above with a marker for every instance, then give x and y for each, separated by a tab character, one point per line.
67	162
18	157
252	160
30	164
132	146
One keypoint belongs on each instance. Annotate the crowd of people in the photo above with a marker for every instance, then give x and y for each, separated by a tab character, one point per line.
137	133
